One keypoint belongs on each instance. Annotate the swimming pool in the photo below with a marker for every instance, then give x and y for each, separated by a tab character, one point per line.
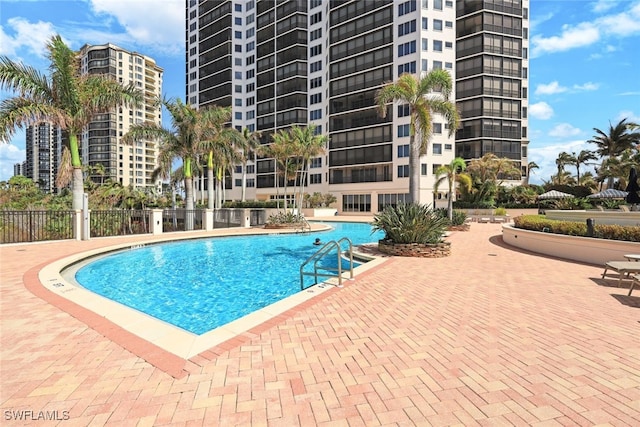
199	285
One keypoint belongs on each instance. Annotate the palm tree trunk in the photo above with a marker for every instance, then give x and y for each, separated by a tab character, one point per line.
414	170
188	195
210	183
244	180
450	201
219	179
78	188
76	163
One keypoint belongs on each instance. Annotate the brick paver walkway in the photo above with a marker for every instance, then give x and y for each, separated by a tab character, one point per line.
488	336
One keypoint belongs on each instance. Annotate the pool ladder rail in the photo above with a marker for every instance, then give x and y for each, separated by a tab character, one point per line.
305	227
327	249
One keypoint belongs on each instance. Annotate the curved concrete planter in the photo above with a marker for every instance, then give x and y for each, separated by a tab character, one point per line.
583	249
436	250
284	226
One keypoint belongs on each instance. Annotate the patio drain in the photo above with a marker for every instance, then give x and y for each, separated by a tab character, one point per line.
492	254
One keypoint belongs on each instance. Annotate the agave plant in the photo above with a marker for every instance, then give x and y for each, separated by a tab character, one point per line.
410	223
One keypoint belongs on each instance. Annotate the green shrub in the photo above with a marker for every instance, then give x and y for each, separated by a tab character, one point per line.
410	223
252	204
500	211
459	217
573	228
285	218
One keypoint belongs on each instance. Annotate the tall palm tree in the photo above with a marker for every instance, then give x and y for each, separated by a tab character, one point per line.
181	141
282	150
450	173
217	142
425	96
530	166
307	146
619	138
487	174
65	98
562	160
248	144
581	159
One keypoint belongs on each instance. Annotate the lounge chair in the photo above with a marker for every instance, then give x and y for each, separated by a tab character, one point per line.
624	208
623	268
636	281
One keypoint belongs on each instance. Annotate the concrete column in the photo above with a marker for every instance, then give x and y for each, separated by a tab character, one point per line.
374	202
155	223
207	220
246	215
77	224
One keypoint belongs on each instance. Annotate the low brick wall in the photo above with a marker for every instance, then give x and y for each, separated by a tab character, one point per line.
284	226
437	250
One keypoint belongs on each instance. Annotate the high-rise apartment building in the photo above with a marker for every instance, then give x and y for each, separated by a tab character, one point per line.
300	62
43	146
492	79
101	141
17	169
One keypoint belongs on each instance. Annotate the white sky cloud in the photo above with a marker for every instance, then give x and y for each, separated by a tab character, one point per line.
629	115
550	89
587	86
618	25
622	24
541	110
158	24
30	36
545	157
583	34
564	130
603	5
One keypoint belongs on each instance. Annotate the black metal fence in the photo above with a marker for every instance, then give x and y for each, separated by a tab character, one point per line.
180	219
34	226
118	222
227	218
257	217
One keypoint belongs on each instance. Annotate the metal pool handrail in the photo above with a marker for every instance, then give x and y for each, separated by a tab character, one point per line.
326	249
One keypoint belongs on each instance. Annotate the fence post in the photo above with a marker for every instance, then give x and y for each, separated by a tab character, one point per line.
77	224
86	229
246	213
207	220
155	225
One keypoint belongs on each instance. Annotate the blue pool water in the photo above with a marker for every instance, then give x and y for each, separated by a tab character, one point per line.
201	284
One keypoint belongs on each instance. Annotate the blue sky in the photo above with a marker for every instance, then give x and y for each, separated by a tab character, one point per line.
584	60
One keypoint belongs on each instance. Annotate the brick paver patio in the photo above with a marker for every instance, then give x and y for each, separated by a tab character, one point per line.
488	336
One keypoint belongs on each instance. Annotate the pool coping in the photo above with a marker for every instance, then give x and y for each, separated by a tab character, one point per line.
164	345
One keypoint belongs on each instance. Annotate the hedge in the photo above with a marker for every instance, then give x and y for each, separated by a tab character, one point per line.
572	228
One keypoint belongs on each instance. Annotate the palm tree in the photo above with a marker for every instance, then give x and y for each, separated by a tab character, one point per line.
621	137
282	150
307	145
181	141
218	143
581	159
530	167
425	96
65	98
563	177
563	159
450	173
248	143
487	174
